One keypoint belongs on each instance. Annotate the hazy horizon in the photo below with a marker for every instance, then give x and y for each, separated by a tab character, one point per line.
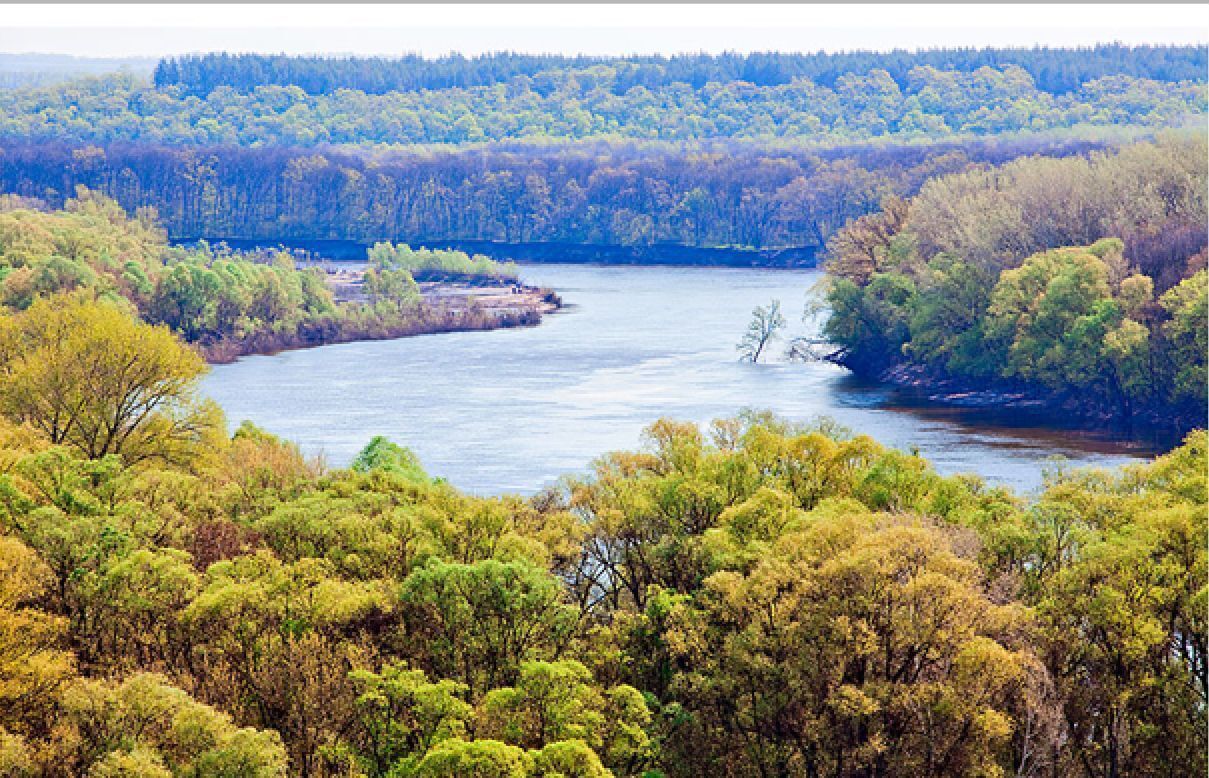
4	53
123	32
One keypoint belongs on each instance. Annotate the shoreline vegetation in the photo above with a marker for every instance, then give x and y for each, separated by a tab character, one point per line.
1077	285
675	254
229	304
444	306
435	291
1170	423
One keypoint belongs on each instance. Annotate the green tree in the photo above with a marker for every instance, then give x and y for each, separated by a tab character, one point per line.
456	758
478	622
381	454
34	664
145	726
401	715
555	702
90	377
1185	334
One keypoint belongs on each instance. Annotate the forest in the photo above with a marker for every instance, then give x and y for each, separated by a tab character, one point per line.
226	303
757	598
1054	70
751	151
634	194
753	597
1084	276
585	104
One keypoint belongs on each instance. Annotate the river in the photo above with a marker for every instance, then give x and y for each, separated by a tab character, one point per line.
512	410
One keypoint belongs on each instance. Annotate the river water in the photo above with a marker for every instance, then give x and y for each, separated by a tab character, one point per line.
512	410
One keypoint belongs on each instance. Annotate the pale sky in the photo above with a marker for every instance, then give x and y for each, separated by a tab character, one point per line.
155	30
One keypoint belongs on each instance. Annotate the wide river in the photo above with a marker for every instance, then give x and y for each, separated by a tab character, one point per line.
512	410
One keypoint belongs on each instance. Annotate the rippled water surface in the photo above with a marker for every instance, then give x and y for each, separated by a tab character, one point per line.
511	410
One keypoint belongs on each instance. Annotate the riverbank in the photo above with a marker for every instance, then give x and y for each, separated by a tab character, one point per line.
446	306
671	254
1169	423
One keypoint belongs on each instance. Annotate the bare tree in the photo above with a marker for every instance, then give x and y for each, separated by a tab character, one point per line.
766	322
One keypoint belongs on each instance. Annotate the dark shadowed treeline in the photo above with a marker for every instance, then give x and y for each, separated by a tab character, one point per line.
1054	70
603	193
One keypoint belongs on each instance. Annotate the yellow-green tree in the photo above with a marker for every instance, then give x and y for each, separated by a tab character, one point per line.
89	376
34	664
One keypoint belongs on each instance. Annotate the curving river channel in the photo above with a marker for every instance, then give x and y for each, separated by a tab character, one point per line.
512	410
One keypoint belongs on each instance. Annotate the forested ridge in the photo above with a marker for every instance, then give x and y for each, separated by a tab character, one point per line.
579	105
1082	277
754	151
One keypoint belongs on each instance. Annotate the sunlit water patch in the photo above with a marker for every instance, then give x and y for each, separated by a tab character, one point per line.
512	410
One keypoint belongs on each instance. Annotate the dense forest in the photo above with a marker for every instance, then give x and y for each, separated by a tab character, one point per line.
725	194
1082	276
753	151
1053	70
758	599
227	303
576	105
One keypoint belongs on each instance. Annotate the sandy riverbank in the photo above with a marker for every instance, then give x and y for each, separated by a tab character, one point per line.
499	297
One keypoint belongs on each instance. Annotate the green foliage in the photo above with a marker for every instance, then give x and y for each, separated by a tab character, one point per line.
1048	310
91	377
558	701
428	264
226	303
477	759
479	622
600	100
1185	334
1055	69
873	318
391	286
947	319
381	454
758	598
979	278
144	726
205	297
401	716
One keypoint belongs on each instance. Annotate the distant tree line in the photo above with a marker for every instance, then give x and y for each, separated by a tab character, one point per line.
627	194
599	103
1054	70
439	264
